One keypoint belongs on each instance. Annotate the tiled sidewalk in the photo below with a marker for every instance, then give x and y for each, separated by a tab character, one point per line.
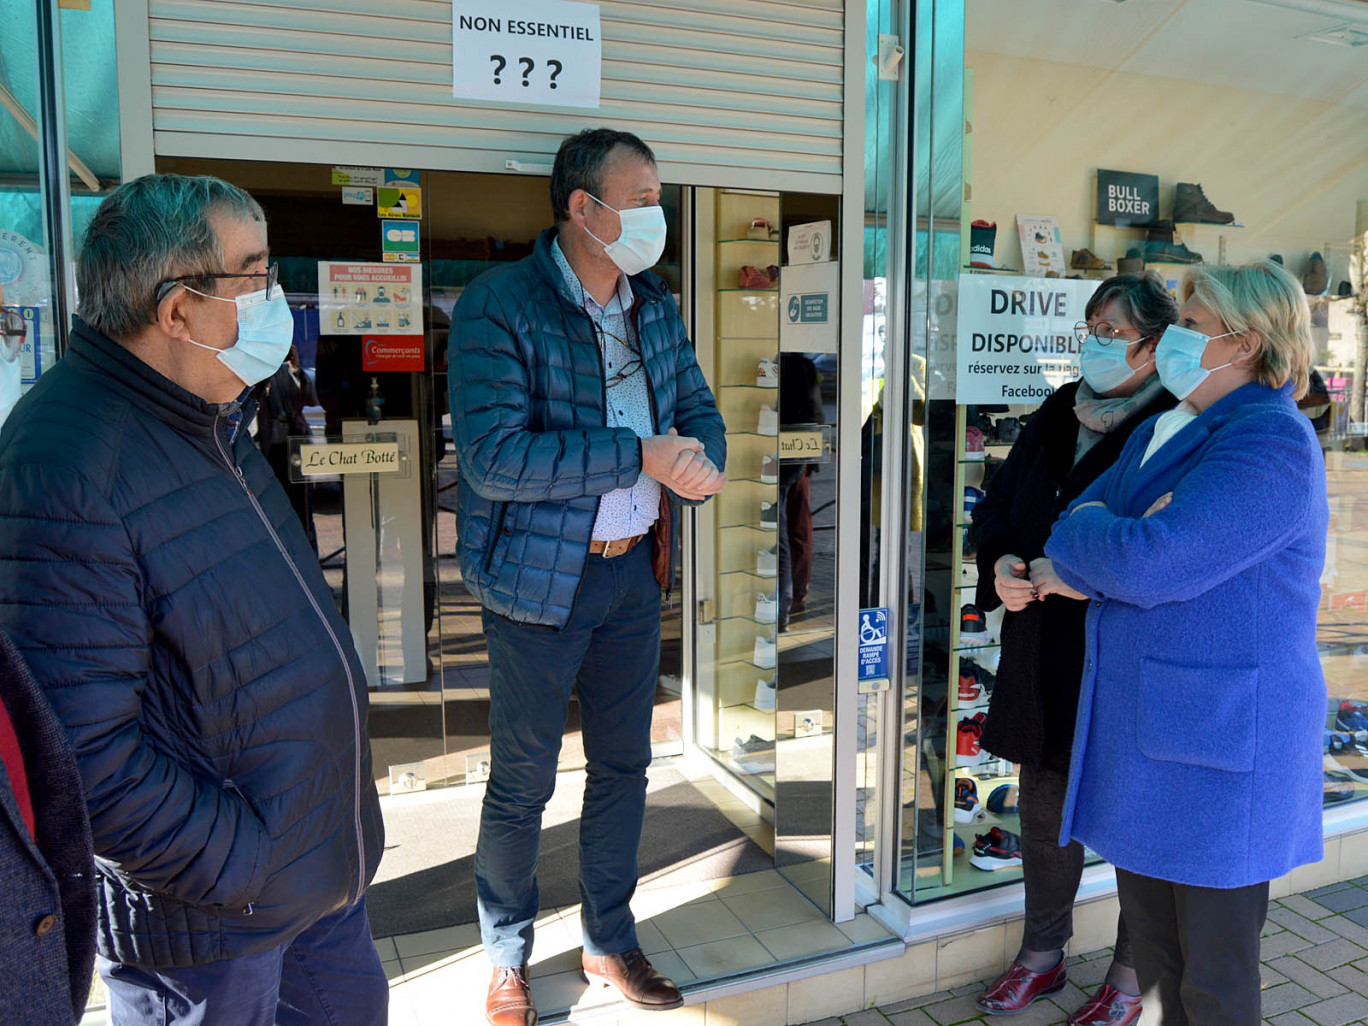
1315	973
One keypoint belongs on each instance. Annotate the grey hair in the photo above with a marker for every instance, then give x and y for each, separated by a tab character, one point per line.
1147	304
579	164
146	231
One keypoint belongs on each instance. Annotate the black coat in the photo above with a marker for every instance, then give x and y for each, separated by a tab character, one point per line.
46	968
1035	701
164	595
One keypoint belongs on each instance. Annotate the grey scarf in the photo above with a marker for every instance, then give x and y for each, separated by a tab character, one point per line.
1098	416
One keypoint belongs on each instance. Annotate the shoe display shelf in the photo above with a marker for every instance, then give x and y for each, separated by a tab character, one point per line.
1209	240
746	544
967	759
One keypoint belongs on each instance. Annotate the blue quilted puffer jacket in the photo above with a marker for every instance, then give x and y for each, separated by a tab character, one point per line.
163	592
528	417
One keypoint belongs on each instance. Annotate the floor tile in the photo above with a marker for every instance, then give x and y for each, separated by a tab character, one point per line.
393	969
1284	998
1338	1011
1341	901
912	1017
385	948
788	942
864	929
669	963
956	1010
451	938
650	938
731	886
720	957
765	910
698	924
1327	956
1311	978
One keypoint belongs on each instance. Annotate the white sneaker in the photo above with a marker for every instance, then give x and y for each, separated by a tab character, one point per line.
767	374
769	515
766	694
766	607
769	422
767	562
769	474
764	652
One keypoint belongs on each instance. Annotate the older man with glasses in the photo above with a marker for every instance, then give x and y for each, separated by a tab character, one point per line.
156	579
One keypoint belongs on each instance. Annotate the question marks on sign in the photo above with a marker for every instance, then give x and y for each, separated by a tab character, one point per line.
528	66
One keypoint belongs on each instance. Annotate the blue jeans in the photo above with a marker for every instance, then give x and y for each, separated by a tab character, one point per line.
610	653
329	975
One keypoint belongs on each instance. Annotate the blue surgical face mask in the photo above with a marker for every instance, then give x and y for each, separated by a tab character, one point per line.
1104	366
1179	359
265	331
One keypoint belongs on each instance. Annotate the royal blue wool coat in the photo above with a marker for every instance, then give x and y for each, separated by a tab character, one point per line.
528	418
165	597
1197	753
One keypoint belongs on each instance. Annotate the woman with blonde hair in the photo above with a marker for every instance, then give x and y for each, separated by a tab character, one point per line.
1196	760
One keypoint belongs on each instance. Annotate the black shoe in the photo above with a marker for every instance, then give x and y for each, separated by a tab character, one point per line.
1190	204
1170	253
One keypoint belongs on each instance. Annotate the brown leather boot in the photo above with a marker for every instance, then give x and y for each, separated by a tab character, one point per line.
633	976
509	1002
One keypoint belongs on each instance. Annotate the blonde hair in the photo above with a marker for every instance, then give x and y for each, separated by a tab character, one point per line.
1265	300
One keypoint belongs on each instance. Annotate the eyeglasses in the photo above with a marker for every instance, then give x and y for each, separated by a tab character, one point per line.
1106	333
271	274
13	331
12	323
629	368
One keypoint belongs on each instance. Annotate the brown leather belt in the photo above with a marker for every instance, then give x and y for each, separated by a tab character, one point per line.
616	547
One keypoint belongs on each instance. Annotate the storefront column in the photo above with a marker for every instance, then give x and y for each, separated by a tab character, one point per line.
53	175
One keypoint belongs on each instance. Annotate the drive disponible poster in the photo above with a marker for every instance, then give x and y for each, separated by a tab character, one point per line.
1015	342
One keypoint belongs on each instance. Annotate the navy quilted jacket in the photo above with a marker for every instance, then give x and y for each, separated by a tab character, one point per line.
164	595
528	416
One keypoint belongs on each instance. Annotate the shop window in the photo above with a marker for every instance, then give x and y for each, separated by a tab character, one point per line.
1114	137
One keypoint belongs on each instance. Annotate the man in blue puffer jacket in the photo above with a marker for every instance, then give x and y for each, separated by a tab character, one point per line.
578	408
162	590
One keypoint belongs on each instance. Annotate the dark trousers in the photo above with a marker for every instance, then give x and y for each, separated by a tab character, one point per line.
329	975
1196	949
1051	873
798	516
609	653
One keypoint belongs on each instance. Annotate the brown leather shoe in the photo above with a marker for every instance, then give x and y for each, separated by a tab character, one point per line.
633	976
1015	989
1108	1007
510	999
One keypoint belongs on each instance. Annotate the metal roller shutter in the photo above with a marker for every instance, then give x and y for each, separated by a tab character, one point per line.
742	93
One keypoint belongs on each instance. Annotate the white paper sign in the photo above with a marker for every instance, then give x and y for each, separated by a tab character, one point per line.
1015	340
544	52
810	308
810	243
358	196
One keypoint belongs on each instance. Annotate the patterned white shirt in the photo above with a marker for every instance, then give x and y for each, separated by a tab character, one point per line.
623	512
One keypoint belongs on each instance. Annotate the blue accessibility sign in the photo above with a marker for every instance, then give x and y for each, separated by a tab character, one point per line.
874	643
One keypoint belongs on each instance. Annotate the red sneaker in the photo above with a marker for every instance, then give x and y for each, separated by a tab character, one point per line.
1015	989
1108	1007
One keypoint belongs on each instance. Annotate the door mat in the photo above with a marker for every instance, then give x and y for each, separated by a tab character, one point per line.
426	879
